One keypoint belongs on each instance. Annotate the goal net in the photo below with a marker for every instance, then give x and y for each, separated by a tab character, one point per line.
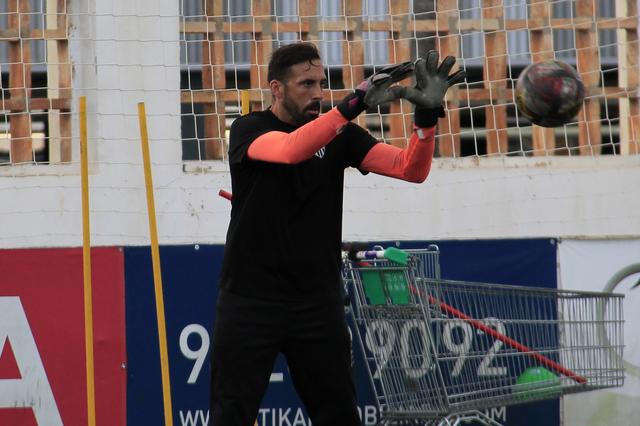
199	64
225	47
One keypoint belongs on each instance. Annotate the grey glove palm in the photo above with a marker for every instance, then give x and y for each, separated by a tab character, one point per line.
432	83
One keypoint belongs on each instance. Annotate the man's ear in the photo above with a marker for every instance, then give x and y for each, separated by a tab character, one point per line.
277	89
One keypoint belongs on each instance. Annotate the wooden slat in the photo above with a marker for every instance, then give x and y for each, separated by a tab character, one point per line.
213	77
53	82
20	104
590	133
353	49
20	84
261	47
401	118
495	77
33	34
449	42
628	77
543	139
477	96
308	16
308	19
65	82
305	25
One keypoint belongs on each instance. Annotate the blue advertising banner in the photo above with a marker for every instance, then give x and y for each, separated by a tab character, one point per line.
190	287
190	279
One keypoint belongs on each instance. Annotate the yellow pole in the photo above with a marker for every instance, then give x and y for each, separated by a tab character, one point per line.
245	102
86	266
157	276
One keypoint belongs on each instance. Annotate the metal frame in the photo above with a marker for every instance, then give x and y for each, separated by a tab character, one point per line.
440	351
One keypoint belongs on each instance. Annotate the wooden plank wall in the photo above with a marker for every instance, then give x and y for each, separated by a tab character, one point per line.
495	77
20	105
213	80
400	123
590	137
447	26
444	24
629	81
20	82
544	140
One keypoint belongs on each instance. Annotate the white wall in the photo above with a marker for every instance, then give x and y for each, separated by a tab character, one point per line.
570	197
125	52
598	266
501	198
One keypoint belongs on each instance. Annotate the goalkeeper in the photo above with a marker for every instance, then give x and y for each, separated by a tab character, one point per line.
280	284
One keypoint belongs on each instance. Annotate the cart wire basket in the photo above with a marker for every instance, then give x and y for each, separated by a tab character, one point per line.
440	352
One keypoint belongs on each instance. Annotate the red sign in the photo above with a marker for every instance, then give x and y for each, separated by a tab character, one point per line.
42	340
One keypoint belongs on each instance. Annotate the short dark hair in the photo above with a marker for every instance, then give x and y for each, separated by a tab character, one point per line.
288	55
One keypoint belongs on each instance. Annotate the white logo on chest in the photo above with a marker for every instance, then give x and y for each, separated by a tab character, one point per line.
320	152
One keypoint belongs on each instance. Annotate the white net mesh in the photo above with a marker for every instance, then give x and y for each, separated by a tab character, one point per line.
225	46
493	41
194	61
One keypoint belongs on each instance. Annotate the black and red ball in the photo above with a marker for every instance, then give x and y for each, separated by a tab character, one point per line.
549	93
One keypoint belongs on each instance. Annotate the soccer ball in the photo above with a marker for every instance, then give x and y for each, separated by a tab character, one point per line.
549	93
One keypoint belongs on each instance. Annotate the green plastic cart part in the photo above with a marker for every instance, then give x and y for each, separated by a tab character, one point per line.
396	284
538	382
383	286
398	256
373	290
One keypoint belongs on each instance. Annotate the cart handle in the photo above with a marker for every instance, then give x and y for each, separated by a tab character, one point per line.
505	339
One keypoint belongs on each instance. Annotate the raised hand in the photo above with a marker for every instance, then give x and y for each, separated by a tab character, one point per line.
432	83
376	90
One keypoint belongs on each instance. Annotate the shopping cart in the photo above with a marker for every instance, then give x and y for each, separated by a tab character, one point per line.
442	352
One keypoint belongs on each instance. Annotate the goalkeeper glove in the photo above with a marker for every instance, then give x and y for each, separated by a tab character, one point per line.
376	90
432	83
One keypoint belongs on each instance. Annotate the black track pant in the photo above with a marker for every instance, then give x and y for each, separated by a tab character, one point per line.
313	336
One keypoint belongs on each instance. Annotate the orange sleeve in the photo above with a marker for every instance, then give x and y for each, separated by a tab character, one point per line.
299	145
412	163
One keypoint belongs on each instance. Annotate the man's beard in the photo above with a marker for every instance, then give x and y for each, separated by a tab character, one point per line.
299	116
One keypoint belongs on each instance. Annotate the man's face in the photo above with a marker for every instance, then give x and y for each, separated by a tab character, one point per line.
302	92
